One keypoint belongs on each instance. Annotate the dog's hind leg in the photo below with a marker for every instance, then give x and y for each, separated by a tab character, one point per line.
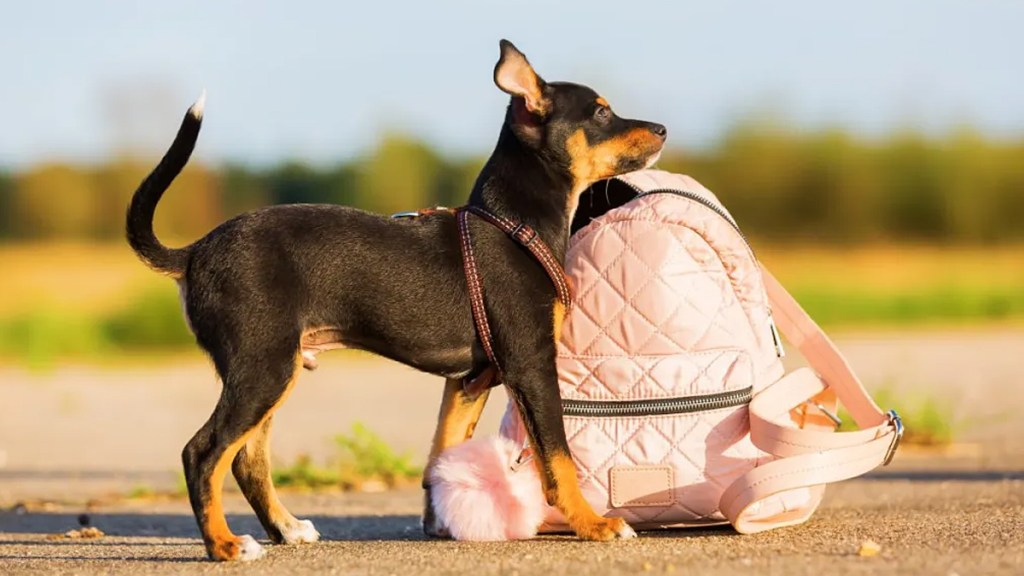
255	383
252	472
456	422
459	413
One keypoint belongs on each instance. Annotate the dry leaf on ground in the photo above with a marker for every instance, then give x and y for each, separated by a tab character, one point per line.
869	548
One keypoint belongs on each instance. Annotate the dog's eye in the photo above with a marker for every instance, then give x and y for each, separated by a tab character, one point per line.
602	114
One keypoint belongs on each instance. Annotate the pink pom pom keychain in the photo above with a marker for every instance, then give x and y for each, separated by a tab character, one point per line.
486	489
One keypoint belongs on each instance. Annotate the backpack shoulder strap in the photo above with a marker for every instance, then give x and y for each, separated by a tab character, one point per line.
791	420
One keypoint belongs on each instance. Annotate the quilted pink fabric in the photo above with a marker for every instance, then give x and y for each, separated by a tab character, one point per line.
668	303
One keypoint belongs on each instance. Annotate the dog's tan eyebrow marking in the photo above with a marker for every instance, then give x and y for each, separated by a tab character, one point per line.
602	102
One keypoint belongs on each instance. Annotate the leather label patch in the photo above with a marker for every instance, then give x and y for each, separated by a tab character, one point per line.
641	486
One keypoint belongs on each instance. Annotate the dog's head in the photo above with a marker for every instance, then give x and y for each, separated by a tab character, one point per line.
571	127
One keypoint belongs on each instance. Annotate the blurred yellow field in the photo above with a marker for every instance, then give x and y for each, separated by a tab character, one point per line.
95	278
76	277
894	267
96	301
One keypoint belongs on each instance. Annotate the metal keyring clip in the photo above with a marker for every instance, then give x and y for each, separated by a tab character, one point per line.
524	457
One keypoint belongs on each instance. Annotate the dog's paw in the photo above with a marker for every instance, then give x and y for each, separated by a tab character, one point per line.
249	549
625	532
299	532
431	525
605	529
236	549
434	530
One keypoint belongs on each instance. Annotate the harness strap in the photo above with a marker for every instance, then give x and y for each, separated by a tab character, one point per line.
476	289
528	238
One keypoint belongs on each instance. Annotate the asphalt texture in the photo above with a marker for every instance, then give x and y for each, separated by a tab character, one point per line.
923	522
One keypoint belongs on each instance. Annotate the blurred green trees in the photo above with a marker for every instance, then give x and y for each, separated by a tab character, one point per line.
825	185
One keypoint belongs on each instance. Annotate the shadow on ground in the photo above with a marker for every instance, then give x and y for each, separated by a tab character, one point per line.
945	475
344	528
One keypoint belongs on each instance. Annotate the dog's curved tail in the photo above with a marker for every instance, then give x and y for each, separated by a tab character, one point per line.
139	220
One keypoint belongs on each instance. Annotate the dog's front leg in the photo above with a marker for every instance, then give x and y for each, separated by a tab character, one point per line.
536	395
456	422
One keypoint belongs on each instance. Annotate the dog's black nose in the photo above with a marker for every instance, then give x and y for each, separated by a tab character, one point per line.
659	130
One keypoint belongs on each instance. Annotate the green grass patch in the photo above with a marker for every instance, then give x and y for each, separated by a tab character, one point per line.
151	321
370	457
141	491
833	306
147	492
38	337
305	474
927	421
154	319
362	457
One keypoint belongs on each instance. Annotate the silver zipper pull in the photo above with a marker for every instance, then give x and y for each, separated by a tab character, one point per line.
776	337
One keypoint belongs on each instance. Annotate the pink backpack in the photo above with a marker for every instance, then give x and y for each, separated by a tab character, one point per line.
677	408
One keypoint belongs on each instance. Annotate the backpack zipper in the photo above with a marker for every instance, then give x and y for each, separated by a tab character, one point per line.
700	199
776	337
663	407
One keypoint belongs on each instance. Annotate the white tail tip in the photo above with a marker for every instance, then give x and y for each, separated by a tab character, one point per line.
196	110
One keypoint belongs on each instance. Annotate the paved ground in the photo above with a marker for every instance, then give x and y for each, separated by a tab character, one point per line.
925	523
81	433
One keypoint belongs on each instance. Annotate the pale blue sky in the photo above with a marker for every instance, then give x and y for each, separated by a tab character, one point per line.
322	79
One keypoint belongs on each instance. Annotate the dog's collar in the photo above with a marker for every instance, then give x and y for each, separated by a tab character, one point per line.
526	237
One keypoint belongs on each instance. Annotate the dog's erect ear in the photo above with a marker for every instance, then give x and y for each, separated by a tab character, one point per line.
514	75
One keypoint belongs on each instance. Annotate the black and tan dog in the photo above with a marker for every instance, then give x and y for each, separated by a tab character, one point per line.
265	291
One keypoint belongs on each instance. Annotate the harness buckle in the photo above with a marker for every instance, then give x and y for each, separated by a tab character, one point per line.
897	424
421	212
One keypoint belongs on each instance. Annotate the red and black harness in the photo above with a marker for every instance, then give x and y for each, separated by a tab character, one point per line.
526	237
